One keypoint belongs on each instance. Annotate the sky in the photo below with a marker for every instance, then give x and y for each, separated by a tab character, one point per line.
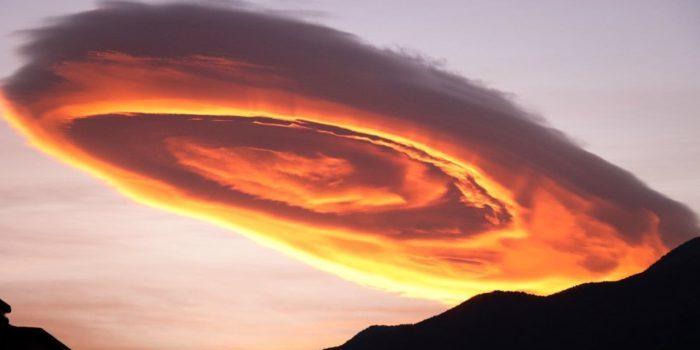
100	271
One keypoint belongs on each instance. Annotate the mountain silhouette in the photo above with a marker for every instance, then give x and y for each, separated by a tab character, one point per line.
656	309
24	338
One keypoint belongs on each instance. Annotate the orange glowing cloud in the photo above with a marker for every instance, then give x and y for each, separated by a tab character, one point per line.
362	162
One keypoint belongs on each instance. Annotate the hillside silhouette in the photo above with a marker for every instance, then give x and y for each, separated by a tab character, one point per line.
656	309
24	338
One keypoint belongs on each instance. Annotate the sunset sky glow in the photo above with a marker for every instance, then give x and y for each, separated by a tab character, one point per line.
374	166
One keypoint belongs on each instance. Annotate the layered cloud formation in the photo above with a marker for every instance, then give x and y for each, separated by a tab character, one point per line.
363	162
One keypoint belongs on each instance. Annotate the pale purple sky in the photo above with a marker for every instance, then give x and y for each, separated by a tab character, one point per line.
99	271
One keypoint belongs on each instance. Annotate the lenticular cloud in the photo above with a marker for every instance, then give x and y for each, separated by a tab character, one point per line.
360	161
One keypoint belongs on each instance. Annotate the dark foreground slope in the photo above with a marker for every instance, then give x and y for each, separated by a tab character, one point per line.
24	338
656	309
